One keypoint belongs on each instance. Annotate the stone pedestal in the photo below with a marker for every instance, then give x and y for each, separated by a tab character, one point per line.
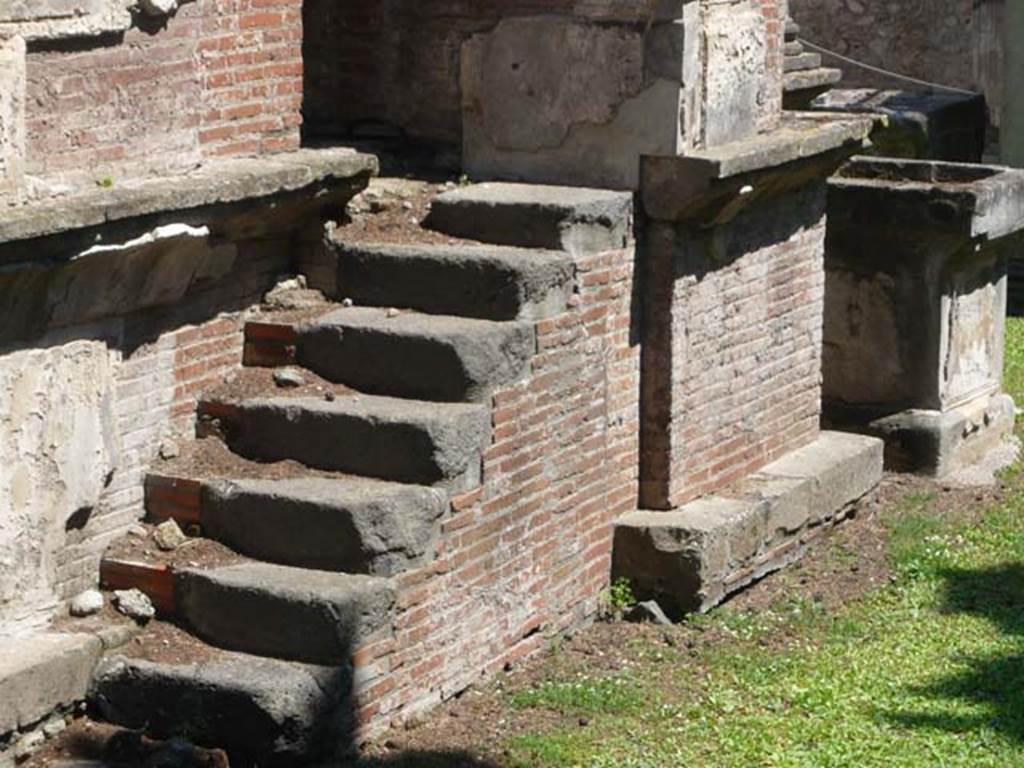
914	307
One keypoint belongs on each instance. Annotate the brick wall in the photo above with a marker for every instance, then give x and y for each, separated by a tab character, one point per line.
223	78
528	554
121	387
732	361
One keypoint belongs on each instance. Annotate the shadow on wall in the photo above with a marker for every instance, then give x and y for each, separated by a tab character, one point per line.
994	682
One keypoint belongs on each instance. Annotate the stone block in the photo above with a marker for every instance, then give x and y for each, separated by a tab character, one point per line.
39	673
691	558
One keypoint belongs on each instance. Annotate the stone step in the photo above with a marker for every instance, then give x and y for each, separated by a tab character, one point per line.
351	525
801	62
482	281
414	355
693	557
574	219
406	441
811	79
792	30
793	48
296	614
260	711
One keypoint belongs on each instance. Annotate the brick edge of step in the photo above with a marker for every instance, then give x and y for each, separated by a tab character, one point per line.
692	558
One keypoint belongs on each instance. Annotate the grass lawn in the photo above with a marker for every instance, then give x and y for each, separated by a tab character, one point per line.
922	665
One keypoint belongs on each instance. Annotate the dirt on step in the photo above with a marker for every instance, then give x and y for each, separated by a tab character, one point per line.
138	545
249	383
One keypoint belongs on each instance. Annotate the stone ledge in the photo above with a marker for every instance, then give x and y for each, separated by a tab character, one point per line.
715	184
191	198
40	673
692	558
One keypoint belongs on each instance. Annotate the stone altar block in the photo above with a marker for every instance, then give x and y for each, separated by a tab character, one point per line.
915	301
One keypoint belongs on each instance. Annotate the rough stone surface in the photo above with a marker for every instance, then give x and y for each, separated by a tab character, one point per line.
288	378
357	526
577	220
471	281
134	604
923	126
12	119
401	440
290	613
691	558
168	536
86	603
41	672
374	352
277	713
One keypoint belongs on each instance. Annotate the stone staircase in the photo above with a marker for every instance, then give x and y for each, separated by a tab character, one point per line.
425	335
804	78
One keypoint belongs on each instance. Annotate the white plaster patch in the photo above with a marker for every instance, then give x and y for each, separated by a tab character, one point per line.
57	448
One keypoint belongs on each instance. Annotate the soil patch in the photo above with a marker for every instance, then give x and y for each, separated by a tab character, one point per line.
139	546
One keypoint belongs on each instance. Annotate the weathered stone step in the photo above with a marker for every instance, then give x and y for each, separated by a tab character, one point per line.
802	62
352	525
809	79
408	354
406	441
286	613
485	281
574	219
261	711
794	48
693	557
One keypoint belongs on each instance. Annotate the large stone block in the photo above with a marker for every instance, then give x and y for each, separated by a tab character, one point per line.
39	673
558	100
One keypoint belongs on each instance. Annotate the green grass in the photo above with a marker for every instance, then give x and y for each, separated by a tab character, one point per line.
927	670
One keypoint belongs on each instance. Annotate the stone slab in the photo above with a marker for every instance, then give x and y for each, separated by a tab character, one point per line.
919	125
380	352
691	558
39	673
297	614
574	219
487	282
355	525
194	198
729	177
271	712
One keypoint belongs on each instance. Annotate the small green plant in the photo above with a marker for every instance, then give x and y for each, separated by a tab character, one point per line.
465	181
107	182
620	595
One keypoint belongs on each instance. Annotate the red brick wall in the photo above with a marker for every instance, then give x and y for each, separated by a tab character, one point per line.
733	355
775	20
526	555
223	78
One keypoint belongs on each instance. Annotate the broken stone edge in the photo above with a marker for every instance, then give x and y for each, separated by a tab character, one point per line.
694	557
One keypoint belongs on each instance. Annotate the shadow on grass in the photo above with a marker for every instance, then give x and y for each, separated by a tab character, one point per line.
995	682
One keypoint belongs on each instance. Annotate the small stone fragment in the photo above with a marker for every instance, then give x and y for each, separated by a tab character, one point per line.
138	531
288	378
169	536
347	302
54	726
393	312
407	205
169	450
648	612
134	604
86	603
28	744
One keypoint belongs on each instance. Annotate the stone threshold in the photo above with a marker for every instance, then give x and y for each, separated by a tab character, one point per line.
692	558
188	198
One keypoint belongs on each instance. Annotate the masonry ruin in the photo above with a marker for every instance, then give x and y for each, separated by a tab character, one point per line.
404	458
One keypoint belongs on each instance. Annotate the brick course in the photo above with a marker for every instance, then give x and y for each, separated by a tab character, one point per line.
733	356
223	78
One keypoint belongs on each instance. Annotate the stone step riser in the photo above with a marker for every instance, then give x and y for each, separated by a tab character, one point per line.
484	282
423	444
311	523
284	613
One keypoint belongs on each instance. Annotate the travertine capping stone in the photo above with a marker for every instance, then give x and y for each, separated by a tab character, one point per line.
12	118
55	19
